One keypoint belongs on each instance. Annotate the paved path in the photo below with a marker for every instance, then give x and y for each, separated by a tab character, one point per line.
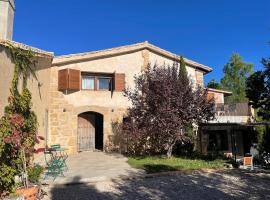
233	184
88	167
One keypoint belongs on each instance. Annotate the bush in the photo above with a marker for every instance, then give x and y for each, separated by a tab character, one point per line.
34	173
265	143
183	148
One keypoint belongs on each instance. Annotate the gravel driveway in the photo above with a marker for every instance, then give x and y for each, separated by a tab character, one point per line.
231	184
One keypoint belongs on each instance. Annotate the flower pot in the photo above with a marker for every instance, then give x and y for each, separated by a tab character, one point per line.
30	193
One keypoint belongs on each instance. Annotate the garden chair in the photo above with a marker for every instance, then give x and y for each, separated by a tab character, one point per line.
61	154
54	165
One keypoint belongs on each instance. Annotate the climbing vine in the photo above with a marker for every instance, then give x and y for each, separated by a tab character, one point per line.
18	126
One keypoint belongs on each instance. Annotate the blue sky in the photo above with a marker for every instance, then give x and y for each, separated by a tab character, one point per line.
207	31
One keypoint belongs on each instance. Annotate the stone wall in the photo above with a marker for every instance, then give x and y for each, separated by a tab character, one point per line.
161	60
6	75
66	106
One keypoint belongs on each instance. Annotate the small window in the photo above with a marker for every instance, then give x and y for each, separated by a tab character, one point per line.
104	83
88	83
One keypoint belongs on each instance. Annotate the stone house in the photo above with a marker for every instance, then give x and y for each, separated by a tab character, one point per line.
77	97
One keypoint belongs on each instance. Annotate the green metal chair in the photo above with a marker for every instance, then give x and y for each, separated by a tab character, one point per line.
54	165
61	154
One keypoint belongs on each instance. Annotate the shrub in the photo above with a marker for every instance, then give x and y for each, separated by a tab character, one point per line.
164	104
18	126
34	173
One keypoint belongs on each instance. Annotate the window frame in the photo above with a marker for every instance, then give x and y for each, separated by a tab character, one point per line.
104	77
96	77
86	75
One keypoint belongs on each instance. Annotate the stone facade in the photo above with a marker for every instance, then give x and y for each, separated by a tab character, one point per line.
58	111
66	106
39	89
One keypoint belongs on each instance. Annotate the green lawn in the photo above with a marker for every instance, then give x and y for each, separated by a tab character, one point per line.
160	164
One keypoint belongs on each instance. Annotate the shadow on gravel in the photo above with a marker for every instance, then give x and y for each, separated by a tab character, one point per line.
158	168
226	185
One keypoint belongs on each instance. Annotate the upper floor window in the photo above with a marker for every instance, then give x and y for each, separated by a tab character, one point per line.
91	81
88	82
104	83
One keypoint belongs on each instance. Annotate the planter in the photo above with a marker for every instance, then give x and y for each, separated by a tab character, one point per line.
30	193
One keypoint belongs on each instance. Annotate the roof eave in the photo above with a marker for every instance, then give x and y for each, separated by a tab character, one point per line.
38	52
67	59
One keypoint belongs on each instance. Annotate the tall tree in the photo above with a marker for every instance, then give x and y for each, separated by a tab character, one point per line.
214	84
164	104
236	72
258	90
182	75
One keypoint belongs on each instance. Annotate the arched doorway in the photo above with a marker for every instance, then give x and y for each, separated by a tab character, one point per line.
90	131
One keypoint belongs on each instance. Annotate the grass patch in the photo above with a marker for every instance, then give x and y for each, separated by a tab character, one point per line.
156	164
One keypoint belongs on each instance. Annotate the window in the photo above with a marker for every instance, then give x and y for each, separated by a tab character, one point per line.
96	81
218	140
88	82
104	83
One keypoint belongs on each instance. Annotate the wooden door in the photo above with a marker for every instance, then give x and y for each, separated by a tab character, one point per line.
86	132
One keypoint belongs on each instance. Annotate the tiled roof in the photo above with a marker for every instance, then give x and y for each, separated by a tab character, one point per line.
39	52
71	58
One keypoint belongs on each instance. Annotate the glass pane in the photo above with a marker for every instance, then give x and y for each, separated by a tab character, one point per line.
88	83
104	83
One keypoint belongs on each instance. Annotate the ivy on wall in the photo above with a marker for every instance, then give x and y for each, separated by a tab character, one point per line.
18	126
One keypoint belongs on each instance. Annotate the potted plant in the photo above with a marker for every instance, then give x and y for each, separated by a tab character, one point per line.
23	144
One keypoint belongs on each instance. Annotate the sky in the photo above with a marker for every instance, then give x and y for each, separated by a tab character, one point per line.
206	31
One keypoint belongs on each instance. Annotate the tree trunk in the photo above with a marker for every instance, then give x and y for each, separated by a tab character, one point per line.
169	151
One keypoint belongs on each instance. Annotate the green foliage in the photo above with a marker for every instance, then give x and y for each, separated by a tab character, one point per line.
7	182
258	90
214	84
34	173
265	142
18	126
236	72
155	164
183	76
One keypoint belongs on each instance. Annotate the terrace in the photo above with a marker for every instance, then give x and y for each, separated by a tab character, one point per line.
233	113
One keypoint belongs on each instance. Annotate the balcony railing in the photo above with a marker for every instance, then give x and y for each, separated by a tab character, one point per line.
237	109
233	113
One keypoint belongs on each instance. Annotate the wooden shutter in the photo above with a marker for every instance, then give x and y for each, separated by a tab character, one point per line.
63	79
69	79
74	79
119	82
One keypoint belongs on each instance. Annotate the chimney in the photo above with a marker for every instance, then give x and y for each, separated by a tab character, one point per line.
7	9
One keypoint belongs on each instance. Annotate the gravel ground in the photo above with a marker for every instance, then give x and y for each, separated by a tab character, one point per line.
230	184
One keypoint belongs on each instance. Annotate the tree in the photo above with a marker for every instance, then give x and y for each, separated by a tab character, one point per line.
164	104
236	72
214	84
258	90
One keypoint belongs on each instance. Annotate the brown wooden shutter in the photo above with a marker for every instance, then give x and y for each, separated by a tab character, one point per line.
63	79
74	79
119	82
69	79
